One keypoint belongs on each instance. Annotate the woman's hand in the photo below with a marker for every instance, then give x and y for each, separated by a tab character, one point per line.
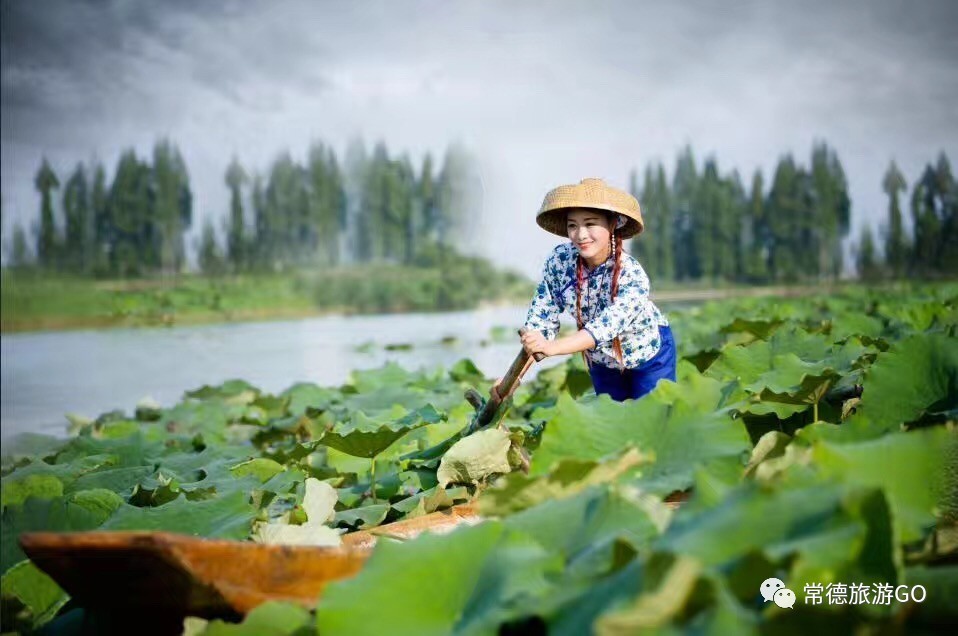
535	342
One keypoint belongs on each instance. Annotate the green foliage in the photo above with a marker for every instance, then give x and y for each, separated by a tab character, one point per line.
791	475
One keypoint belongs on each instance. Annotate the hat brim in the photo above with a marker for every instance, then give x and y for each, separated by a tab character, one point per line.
554	221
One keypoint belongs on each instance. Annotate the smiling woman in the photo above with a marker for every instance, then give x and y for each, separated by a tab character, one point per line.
624	338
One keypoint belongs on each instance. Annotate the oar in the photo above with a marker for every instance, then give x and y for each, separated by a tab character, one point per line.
486	412
485	409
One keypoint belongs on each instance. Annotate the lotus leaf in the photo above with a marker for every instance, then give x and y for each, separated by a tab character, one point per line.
473	459
28	586
420	587
679	436
362	436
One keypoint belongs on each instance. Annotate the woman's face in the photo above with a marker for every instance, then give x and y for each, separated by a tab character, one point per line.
590	231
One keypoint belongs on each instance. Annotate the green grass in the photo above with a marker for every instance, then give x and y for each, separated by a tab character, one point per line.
31	301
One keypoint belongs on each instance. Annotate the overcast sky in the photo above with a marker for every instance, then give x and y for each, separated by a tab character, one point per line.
544	93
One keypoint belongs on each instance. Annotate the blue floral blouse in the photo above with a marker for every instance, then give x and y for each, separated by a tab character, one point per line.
633	316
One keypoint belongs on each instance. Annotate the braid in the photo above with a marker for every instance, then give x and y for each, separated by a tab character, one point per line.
614	289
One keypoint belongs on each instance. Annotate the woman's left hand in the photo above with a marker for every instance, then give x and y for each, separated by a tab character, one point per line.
535	342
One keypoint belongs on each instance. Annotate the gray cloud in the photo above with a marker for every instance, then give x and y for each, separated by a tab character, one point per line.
545	93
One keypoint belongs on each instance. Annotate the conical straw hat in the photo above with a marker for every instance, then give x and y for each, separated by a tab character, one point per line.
589	193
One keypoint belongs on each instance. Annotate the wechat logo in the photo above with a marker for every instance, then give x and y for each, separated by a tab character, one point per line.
774	590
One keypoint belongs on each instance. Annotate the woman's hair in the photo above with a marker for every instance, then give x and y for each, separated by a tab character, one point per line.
613	290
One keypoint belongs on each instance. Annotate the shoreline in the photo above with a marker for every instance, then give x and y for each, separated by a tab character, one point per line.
271	314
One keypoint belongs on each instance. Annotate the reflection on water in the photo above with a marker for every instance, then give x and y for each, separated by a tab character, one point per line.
46	375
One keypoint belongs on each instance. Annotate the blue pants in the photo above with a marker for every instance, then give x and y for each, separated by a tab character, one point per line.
632	384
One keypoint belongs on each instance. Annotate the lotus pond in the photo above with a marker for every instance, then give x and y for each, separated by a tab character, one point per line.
793	474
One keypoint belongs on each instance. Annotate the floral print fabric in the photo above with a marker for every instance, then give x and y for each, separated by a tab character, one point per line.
633	317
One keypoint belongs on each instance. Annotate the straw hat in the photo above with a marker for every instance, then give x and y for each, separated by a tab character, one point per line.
590	193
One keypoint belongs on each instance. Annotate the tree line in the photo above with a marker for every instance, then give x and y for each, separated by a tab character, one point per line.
931	249
369	207
702	224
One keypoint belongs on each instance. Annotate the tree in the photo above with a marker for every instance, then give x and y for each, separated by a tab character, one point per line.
754	234
831	215
641	248
662	213
210	255
236	241
134	246
47	244
684	187
170	213
896	243
78	240
19	250
868	267
103	231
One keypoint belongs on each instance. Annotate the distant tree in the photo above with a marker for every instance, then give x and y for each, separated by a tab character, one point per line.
663	226
641	247
19	249
103	230
237	244
755	234
210	256
896	243
948	209
47	244
794	250
684	188
868	266
133	224
78	243
170	211
831	212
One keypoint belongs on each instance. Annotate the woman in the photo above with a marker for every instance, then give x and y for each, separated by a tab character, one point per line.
625	339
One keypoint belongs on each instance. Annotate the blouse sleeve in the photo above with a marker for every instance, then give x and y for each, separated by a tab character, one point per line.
633	294
543	313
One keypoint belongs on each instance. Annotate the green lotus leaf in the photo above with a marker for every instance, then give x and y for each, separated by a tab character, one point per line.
304	395
363	436
917	375
227	516
41	486
26	585
758	328
363	517
418	587
678	435
770	445
838	533
389	375
466	371
909	467
71	513
230	388
272	618
516	575
473	459
654	609
261	468
592	518
516	492
431	500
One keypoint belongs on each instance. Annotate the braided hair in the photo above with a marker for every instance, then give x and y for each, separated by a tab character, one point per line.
614	289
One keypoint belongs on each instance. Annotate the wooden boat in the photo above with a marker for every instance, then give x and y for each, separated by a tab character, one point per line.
166	576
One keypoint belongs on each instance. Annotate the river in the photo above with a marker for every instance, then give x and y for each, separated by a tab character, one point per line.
46	375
